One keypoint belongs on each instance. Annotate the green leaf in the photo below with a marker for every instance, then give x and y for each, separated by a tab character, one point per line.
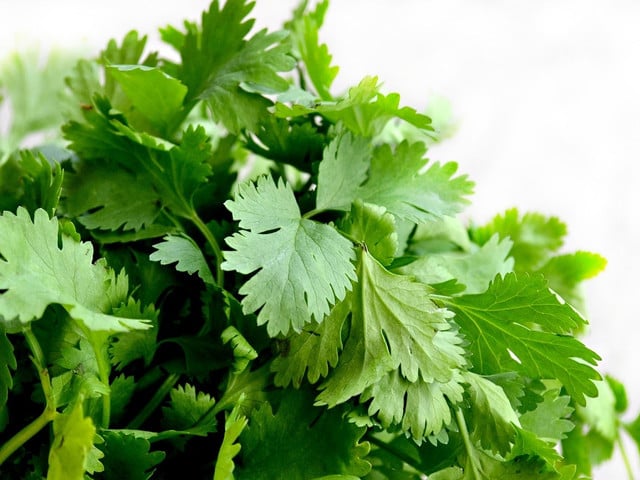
600	412
492	418
152	92
183	250
99	195
310	441
36	272
421	408
399	181
7	362
312	351
475	270
314	55
373	226
535	237
550	419
297	144
394	325
218	64
190	411
529	445
127	457
233	427
243	352
42	182
127	347
566	272
364	110
73	435
303	267
122	390
517	325
344	166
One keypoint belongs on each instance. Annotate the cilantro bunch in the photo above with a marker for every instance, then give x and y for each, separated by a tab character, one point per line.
223	264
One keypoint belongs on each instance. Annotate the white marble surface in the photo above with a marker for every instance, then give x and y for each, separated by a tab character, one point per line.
547	94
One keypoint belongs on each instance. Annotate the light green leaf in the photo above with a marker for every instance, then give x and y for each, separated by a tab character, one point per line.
303	267
243	352
600	412
535	237
310	442
151	91
394	324
190	411
35	272
364	110
517	325
233	427
400	181
218	64
493	420
343	169
373	226
315	56
550	419
127	347
475	270
182	250
73	435
313	350
421	408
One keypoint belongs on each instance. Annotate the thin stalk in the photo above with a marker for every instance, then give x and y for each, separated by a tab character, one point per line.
155	401
104	370
625	458
462	425
393	451
213	243
49	413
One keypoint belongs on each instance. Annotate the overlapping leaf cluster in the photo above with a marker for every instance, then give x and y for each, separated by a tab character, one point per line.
230	266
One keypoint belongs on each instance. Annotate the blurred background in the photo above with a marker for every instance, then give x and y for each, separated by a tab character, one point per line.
545	95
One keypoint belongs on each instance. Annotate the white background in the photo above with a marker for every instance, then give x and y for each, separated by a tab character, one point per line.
546	93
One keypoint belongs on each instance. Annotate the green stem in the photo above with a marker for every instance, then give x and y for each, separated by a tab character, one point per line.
625	457
213	243
49	413
393	451
312	213
155	401
462	425
104	371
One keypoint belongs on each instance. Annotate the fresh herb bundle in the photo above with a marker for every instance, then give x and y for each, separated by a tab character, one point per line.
223	264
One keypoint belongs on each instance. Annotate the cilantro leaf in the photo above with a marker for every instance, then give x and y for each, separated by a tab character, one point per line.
394	324
35	272
297	144
315	56
475	269
312	351
99	195
152	92
233	427
224	69
364	110
535	237
550	419
373	226
311	442
7	362
492	417
73	438
566	272
398	181
343	169
190	411
303	266
183	251
421	408
518	316
127	347
127	457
